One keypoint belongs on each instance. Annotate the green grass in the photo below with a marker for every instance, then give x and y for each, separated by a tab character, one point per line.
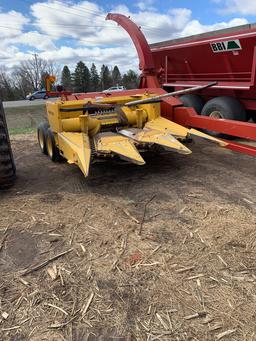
38	109
24	120
17	131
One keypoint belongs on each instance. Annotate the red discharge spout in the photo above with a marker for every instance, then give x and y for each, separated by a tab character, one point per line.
146	63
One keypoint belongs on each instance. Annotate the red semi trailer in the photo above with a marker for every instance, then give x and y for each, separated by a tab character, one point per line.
227	56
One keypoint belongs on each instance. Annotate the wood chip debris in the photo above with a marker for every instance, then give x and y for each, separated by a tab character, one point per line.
5	315
182	210
222	261
196	315
64	324
215	326
195	277
4	237
46	262
185	269
87	305
131	216
10	328
56	307
144	213
226	333
207	320
248	201
53	272
23	281
166	327
82	247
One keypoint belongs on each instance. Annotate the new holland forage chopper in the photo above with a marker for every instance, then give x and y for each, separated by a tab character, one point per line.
87	126
123	125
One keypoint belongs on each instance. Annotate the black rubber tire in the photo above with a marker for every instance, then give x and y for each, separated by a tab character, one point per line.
46	97
253	116
32	98
193	101
52	149
248	115
226	108
7	166
41	136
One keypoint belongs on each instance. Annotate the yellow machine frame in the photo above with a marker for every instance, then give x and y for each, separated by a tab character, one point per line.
102	127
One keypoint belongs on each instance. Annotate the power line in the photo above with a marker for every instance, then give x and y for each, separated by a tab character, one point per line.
72	25
54	36
69	11
97	14
38	24
151	30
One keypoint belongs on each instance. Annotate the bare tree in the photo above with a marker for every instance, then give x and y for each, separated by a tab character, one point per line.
7	89
54	69
32	71
22	83
30	74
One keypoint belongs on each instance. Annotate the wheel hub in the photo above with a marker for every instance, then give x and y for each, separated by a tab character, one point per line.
216	114
49	147
41	139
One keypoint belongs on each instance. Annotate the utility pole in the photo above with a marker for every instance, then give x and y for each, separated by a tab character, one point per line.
36	70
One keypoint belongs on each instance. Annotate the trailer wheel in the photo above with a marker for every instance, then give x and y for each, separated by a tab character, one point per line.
52	149
193	101
224	108
41	136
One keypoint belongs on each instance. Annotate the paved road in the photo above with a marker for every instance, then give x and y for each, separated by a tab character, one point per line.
25	103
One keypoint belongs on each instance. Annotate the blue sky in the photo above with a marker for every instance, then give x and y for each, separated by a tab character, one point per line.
69	31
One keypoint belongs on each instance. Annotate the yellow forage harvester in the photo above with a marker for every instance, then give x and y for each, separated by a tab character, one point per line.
81	130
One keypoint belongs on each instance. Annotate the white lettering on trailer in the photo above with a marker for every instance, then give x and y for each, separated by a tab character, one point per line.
224	46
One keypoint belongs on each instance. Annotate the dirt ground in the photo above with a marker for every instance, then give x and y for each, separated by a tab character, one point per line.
189	275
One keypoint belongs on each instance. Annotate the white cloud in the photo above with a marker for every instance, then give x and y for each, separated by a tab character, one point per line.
67	19
35	39
195	27
146	5
7	29
57	24
243	7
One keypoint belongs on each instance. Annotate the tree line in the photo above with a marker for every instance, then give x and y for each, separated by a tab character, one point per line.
84	79
30	75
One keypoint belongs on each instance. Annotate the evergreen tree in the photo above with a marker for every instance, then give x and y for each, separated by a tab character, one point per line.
81	78
87	77
116	75
66	78
95	79
131	80
105	77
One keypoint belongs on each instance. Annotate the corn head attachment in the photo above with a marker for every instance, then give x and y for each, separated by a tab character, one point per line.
91	128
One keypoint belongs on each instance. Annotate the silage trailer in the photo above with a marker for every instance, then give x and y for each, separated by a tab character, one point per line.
227	56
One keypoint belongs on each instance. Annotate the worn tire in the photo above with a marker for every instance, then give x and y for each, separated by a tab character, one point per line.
41	136
52	149
193	101
7	166
224	108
